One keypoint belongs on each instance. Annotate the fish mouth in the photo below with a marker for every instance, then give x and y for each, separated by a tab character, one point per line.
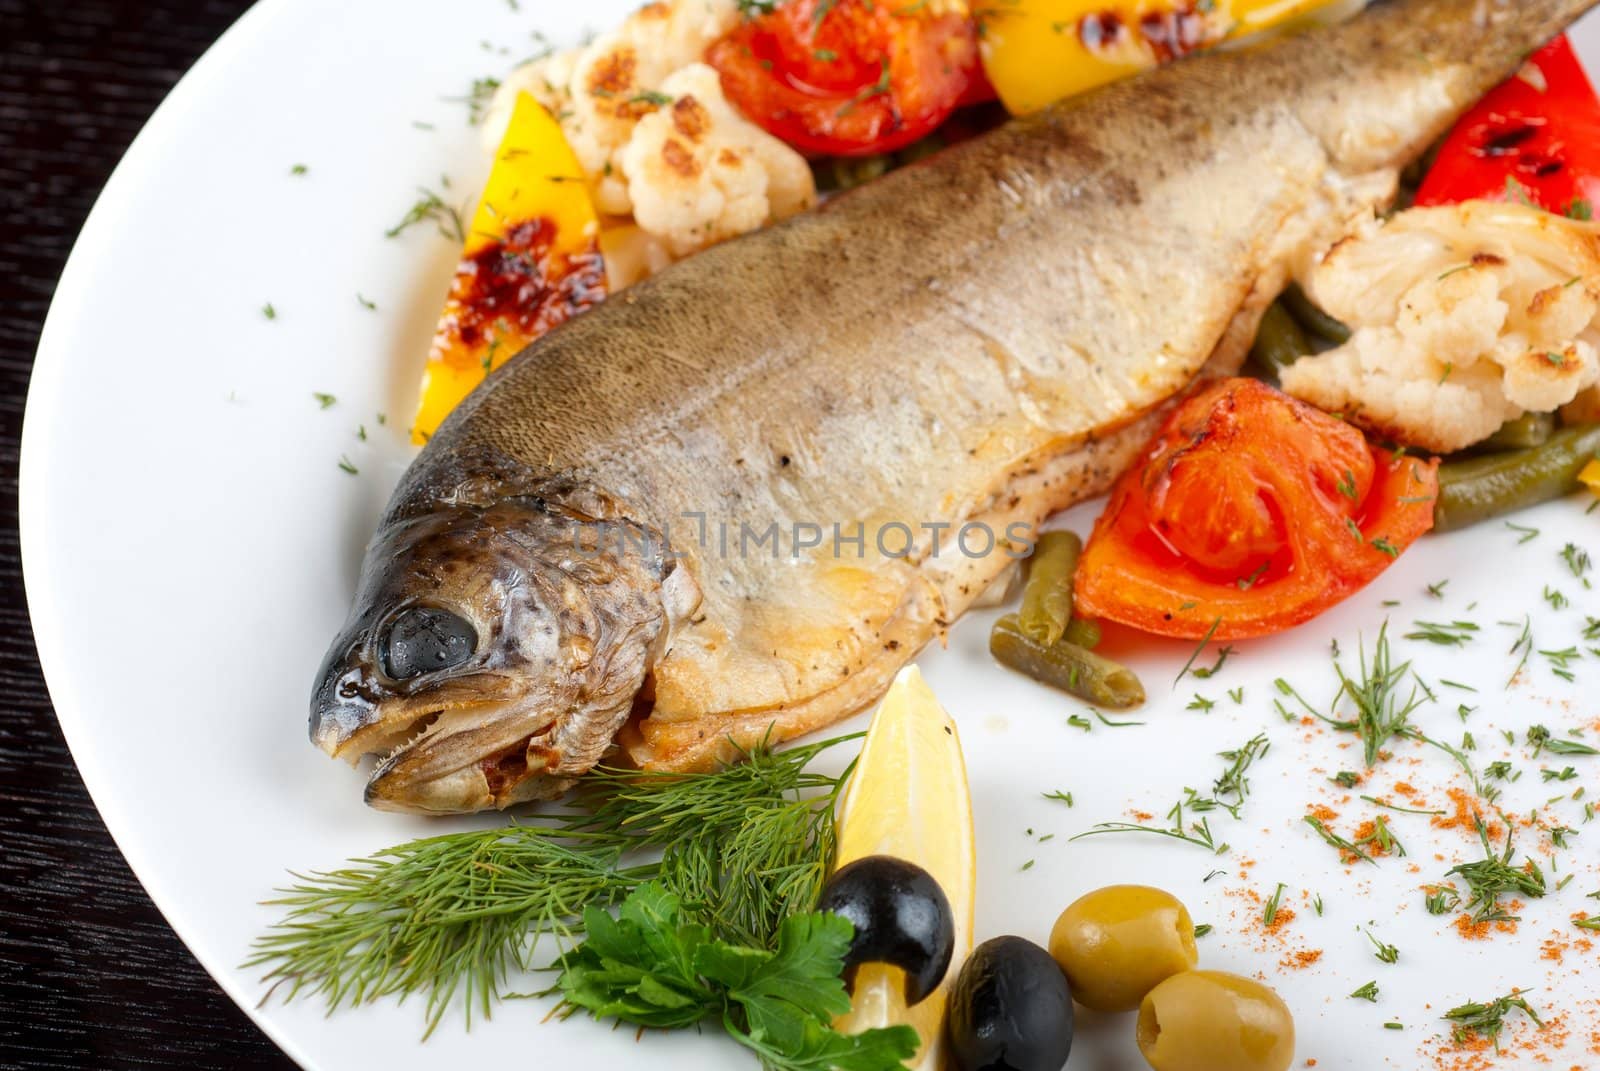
469	758
466	745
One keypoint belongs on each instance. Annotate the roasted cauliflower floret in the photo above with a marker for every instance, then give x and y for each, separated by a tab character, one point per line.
599	92
1464	317
547	80
698	172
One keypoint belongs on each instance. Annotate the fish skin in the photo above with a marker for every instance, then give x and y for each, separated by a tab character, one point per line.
986	335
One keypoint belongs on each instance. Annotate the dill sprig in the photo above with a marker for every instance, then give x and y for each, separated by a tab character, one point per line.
1442	899
1269	913
1493	876
1349	851
430	206
1443	633
1375	693
1540	739
1487	1019
453	916
1385	953
1228	793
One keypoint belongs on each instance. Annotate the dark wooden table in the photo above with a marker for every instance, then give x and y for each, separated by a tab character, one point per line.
90	974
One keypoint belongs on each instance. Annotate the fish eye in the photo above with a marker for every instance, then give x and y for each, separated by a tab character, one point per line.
426	639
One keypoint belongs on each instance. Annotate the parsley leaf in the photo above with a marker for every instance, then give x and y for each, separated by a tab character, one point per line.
651	967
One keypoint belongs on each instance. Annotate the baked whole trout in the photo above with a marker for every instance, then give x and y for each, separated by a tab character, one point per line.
729	503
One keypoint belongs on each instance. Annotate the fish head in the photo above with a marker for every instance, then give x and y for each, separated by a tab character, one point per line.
492	653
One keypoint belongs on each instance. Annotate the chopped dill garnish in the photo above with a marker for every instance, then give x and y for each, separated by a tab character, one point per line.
1237	695
1501	771
1228	793
1577	559
1540	739
323	399
1528	534
1233	781
1524	644
1060	796
1367	992
1459	754
1201	703
269	312
1204	642
1493	876
1375	693
1385	953
1487	1020
1442	900
1078	721
1202	929
1561	662
1382	544
1437	590
876	89
1445	634
1199	833
1397	807
1207	672
479	94
1346	779
299	169
1113	724
1316	904
649	96
1567	774
1383	837
1556	599
1394	1026
366	303
1270	914
1592	923
346	466
1349	851
430	206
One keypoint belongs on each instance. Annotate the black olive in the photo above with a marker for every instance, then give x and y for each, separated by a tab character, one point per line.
1010	1009
901	917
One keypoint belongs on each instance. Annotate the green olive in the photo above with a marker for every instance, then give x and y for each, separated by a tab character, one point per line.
1215	1021
1116	944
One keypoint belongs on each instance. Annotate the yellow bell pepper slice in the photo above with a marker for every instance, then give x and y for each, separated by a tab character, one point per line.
1590	476
1038	51
530	261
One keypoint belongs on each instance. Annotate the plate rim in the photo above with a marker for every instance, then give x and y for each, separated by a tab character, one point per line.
43	394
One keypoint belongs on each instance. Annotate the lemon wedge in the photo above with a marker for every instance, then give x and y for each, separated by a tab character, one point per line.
908	798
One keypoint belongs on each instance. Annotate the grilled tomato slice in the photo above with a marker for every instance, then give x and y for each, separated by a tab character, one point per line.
852	77
1248	514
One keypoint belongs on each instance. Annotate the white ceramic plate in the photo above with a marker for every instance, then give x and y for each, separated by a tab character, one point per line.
191	544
